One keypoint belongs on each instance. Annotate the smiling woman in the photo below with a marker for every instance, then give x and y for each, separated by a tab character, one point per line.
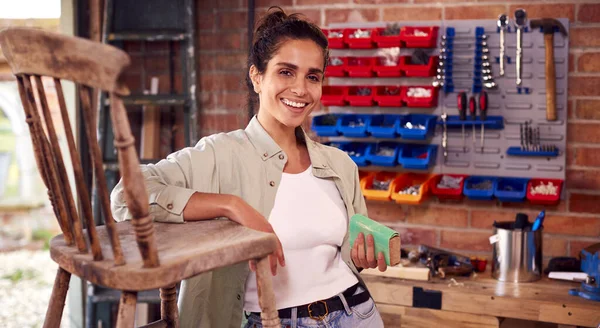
272	177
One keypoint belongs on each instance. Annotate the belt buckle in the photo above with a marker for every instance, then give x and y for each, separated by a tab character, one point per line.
321	317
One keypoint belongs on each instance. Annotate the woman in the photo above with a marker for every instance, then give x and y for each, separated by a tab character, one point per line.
272	170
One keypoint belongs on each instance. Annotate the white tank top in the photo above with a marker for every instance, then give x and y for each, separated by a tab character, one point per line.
310	219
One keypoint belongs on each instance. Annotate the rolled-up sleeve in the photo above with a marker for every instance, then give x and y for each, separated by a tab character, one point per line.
359	204
171	182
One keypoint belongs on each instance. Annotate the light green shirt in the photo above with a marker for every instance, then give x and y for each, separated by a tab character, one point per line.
246	163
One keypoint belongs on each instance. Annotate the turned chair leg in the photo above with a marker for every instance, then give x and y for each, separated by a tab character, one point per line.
57	300
126	315
266	298
168	306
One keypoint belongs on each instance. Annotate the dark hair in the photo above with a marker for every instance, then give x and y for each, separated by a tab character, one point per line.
271	31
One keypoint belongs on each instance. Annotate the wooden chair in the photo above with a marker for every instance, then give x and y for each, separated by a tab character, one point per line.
129	256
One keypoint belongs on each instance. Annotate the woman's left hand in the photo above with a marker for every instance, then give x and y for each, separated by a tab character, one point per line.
364	257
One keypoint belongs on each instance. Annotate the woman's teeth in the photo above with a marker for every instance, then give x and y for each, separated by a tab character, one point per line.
293	103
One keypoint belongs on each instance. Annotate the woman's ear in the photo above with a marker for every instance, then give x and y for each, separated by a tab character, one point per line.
255	78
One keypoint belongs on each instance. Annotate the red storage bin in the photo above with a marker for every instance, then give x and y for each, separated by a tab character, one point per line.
334	95
383	69
411	70
544	199
410	40
354	99
335	42
359	43
384	98
447	193
385	41
360	66
336	70
423	102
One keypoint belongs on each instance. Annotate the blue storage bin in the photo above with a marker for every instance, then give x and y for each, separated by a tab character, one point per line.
428	121
323	128
483	194
383	160
357	151
417	157
347	125
511	189
384	126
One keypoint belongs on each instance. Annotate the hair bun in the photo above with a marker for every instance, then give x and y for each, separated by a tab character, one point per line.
275	16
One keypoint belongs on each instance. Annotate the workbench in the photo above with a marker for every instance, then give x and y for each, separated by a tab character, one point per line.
481	301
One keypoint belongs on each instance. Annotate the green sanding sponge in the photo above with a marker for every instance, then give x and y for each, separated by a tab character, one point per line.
386	239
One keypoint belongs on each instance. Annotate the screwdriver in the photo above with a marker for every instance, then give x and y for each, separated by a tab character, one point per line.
483	106
473	112
461	100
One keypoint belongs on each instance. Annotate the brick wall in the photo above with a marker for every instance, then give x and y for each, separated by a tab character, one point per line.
570	226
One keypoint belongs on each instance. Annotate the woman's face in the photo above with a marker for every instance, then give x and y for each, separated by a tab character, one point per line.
291	86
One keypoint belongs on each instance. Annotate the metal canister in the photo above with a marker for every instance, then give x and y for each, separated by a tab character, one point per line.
517	253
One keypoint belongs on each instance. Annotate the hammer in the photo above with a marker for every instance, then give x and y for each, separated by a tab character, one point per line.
548	26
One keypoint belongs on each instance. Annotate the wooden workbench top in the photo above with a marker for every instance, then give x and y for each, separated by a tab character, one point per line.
544	300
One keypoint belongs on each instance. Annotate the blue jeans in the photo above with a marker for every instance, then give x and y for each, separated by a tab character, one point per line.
364	315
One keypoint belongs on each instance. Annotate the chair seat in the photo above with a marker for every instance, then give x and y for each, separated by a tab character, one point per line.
216	243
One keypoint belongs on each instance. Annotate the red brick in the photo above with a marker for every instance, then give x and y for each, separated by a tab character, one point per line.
584	37
583	132
222	82
546	10
269	3
584	85
571	153
233	20
207	101
437	216
385	211
553	246
525	206
154	63
589	62
584	203
402	14
589	13
570	108
312	15
318	2
232	101
205	5
588	109
351	15
485	219
588	157
229	4
220	122
379	2
474	12
231	61
577	246
571	62
417	236
226	41
466	240
572	225
206	21
206	62
583	179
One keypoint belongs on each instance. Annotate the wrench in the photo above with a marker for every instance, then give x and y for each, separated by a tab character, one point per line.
502	24
520	22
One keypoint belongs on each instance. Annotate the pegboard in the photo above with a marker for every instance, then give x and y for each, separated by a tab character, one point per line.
515	105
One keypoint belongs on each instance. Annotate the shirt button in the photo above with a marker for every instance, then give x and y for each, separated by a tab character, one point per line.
170	206
265	154
272	183
280	156
239	297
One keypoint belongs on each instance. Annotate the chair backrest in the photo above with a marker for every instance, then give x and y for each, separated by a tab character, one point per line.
33	54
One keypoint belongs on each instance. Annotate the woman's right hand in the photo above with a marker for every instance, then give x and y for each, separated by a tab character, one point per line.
246	215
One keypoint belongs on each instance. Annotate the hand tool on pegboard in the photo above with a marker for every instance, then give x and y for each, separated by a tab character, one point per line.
549	26
473	114
461	101
444	118
503	22
521	23
483	106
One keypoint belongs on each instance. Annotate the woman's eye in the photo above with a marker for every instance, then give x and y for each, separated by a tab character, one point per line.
285	72
314	78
